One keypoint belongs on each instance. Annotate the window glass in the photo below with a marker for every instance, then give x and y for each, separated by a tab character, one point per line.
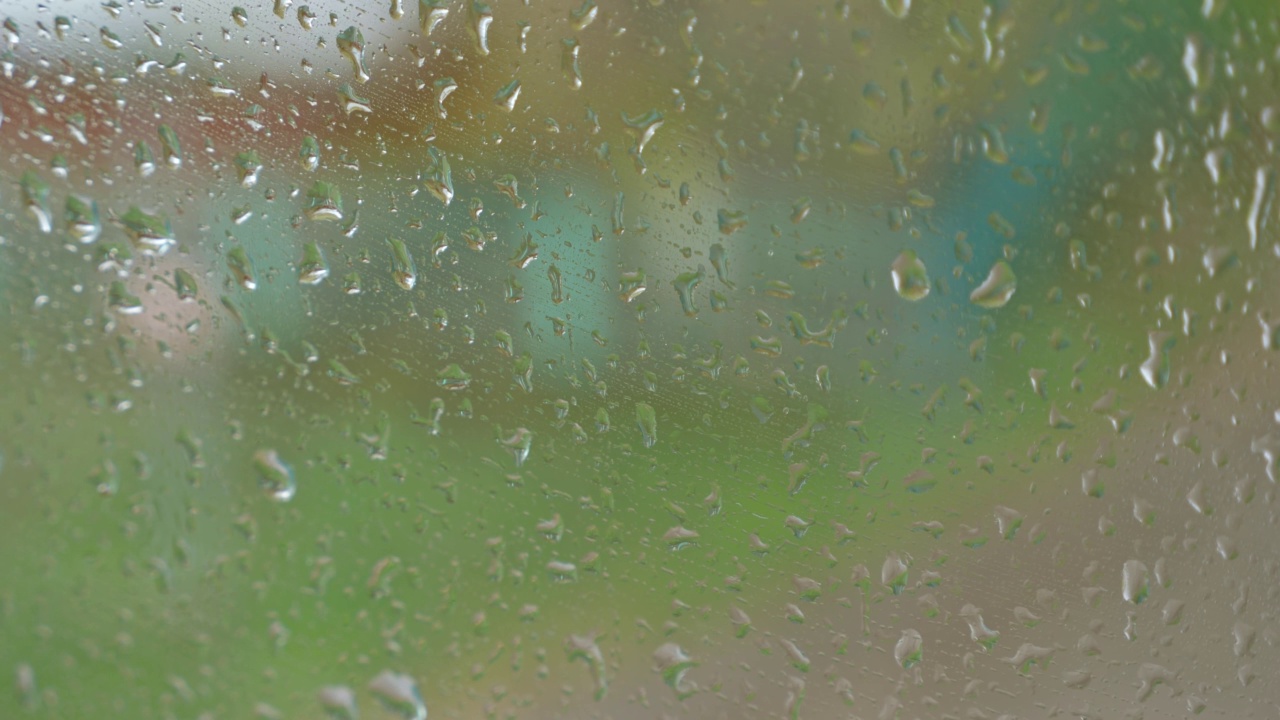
641	358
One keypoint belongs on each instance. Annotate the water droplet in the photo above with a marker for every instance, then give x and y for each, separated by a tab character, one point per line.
731	221
150	233
507	95
121	300
437	178
35	195
997	289
241	267
1008	521
680	537
1028	655
684	284
353	103
453	377
275	477
248	165
674	664
1155	369
481	17
309	155
910	278
584	648
569	62
519	444
430	14
170	147
185	285
647	421
897	8
403	269
909	650
893	573
562	571
978	630
313	268
110	40
1136	581
339	701
351	45
582	17
1151	675
324	202
399	693
642	127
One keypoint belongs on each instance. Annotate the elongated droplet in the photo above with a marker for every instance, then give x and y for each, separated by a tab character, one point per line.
242	268
481	16
430	14
83	221
274	475
647	421
403	270
351	45
35	195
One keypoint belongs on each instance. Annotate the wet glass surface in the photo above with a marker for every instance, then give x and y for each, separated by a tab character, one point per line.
642	359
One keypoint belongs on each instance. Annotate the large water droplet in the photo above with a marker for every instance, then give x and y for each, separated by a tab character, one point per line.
351	45
399	692
909	650
674	664
997	289
910	278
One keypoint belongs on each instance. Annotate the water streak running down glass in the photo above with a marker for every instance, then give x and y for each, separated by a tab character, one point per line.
653	358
